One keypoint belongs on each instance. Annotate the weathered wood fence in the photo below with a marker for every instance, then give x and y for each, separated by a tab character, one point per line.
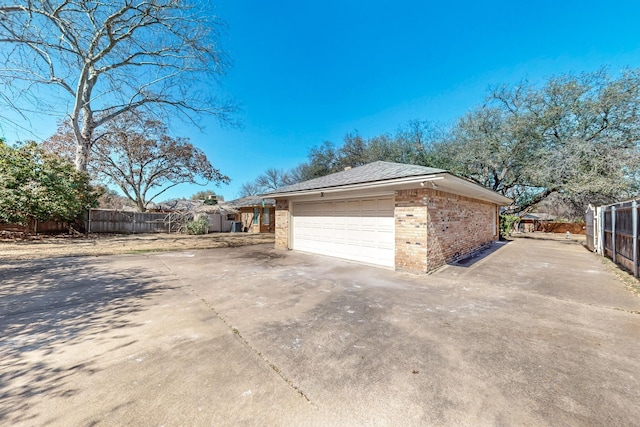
616	231
111	221
114	221
589	220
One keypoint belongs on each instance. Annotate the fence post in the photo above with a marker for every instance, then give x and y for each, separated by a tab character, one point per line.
613	233
601	211
634	221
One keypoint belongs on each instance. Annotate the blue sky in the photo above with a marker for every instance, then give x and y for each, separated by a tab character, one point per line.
305	72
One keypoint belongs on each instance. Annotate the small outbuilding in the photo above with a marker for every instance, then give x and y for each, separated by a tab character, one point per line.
401	216
534	221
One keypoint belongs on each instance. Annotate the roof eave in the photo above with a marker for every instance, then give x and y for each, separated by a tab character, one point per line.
358	186
472	189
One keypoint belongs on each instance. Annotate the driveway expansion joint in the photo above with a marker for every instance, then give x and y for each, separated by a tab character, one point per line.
238	334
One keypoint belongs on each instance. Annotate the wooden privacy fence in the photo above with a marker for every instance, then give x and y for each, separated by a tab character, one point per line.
35	227
616	231
111	221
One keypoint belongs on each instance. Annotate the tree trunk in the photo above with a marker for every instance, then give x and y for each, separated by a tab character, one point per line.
82	155
513	210
141	205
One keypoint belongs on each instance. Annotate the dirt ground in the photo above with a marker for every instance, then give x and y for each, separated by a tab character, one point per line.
37	247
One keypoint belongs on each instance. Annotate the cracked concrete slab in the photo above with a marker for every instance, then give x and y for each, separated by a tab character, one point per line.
533	333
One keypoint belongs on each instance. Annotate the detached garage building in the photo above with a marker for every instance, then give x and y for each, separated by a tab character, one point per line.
401	216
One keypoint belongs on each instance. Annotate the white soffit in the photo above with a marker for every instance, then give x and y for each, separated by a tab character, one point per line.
442	182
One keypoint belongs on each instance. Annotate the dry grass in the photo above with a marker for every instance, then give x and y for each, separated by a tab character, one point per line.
35	247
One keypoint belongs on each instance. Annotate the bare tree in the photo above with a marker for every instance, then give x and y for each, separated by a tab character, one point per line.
249	189
271	179
136	153
94	61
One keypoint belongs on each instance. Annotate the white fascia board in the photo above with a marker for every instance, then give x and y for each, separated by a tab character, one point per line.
445	182
473	190
354	187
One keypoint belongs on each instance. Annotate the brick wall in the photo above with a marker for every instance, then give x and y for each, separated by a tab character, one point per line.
282	224
434	228
411	230
458	225
247	217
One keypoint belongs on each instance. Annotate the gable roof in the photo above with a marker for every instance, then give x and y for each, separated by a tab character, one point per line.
390	176
371	172
538	216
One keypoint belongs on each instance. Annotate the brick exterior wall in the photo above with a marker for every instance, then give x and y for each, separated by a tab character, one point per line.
411	230
282	224
434	228
247	217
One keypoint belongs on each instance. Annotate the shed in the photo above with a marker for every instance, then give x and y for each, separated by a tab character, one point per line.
530	222
400	216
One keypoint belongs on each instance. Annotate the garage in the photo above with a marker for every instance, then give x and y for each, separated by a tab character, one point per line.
408	217
356	229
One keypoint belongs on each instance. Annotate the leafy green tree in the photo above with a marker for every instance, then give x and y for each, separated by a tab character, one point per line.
323	160
352	153
36	184
206	195
575	137
573	140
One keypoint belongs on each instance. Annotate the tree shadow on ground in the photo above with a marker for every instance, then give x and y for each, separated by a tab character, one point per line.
48	304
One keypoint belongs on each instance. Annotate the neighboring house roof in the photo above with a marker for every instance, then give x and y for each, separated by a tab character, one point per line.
388	175
251	201
538	216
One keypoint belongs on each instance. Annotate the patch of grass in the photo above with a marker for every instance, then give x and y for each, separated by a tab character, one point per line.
627	278
146	251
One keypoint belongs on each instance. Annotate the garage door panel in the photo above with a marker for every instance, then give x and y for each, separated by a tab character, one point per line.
357	229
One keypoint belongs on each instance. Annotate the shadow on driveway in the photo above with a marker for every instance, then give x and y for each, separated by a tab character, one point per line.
54	302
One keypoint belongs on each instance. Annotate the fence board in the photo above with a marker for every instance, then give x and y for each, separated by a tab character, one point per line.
590	228
108	221
113	221
621	234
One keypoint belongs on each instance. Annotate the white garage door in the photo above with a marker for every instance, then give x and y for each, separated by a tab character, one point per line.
361	230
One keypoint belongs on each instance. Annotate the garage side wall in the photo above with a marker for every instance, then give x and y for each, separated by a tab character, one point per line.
457	226
411	230
282	224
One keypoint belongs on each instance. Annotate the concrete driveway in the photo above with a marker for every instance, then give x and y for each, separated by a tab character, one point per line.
535	333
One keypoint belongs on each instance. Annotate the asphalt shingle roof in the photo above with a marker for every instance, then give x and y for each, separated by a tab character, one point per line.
371	172
250	201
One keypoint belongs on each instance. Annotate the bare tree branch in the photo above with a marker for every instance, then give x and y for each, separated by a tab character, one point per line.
108	59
